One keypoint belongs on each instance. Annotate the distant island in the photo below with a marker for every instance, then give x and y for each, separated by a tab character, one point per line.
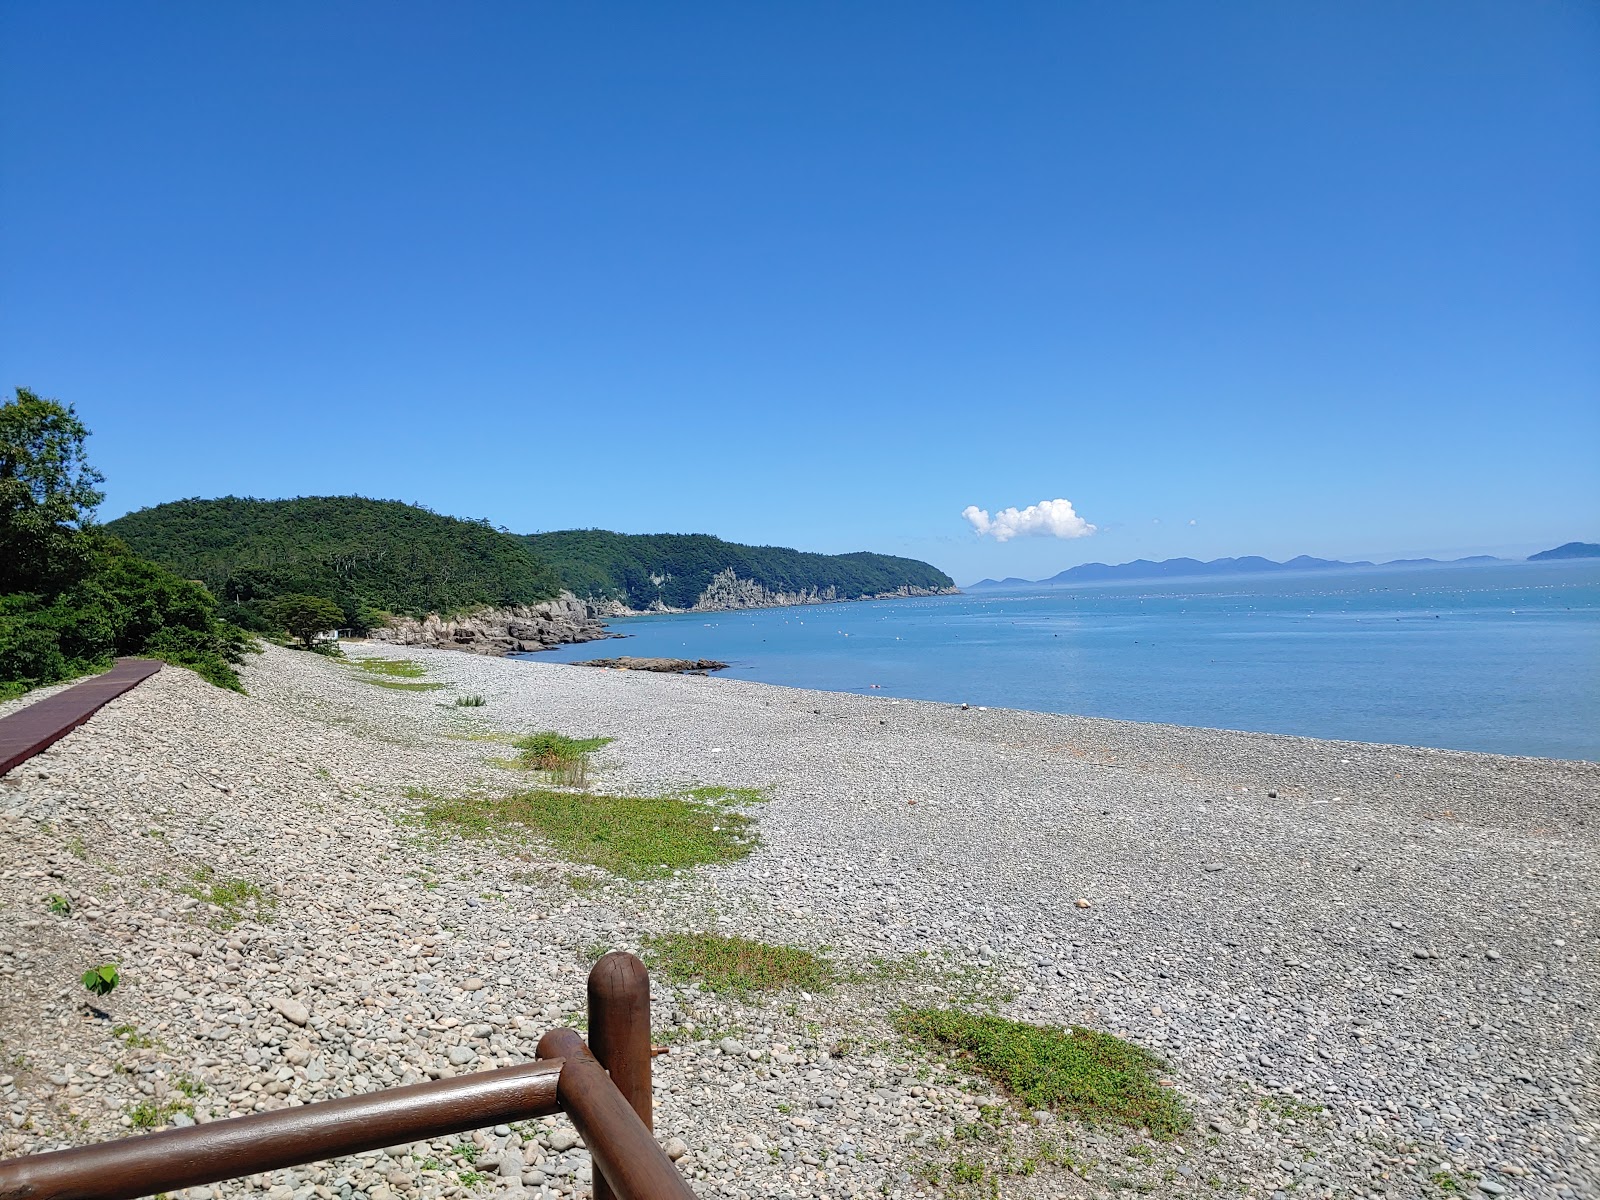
1569	550
1193	568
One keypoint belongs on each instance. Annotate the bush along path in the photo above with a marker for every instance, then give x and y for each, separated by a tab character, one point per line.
325	887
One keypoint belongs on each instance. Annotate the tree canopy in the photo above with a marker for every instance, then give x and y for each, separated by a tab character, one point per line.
304	616
72	596
48	494
674	569
369	557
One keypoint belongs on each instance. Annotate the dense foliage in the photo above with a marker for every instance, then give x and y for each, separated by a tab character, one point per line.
72	597
304	616
369	557
47	495
673	569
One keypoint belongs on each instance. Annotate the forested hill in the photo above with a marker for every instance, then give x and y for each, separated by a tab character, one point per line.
671	569
368	556
373	557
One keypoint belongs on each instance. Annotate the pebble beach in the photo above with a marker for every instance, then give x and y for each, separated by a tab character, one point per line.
1370	970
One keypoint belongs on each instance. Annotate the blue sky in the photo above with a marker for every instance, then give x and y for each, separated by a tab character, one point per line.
1231	278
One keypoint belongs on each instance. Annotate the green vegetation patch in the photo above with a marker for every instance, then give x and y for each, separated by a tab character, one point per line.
395	668
1095	1077
564	759
239	899
640	837
674	569
736	964
130	1037
147	1114
396	674
369	557
73	597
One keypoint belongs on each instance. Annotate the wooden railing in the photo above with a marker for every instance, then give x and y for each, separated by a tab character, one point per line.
605	1091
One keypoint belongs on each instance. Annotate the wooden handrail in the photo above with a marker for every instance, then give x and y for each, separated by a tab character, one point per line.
566	1077
218	1150
624	1152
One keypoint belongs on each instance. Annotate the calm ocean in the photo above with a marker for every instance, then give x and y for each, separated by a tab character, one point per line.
1504	658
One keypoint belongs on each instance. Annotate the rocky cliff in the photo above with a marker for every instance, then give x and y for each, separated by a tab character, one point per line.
727	591
498	631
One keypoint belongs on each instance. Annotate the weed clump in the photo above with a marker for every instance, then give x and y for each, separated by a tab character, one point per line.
130	1037
236	899
147	1114
472	701
564	759
736	964
639	837
1095	1077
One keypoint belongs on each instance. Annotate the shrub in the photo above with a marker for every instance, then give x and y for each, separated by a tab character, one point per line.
565	759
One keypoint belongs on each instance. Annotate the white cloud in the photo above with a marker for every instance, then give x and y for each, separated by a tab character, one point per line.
1048	518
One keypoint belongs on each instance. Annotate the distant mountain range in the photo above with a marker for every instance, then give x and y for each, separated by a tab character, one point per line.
1193	568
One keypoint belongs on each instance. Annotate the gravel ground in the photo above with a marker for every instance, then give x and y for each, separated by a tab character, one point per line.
1371	969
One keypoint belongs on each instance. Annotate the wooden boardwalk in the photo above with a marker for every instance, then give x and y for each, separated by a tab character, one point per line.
23	734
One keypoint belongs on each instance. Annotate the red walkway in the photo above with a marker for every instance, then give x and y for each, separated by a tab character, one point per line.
23	734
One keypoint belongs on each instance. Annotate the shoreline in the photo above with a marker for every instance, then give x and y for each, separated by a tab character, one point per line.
1326	946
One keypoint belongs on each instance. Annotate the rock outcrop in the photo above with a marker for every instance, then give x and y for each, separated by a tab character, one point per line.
500	631
662	666
727	591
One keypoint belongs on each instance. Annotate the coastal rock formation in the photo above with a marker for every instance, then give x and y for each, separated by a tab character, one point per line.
498	631
727	591
567	619
662	666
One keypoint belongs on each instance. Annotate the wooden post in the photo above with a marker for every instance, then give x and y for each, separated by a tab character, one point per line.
619	1035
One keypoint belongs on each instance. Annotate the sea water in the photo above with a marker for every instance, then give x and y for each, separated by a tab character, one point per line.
1503	658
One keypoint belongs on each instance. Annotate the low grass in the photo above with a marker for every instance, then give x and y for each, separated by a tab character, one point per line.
395	674
394	668
472	701
638	837
1092	1076
564	759
736	964
238	899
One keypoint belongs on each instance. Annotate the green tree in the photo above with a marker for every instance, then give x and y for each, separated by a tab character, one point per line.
48	494
305	616
72	596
